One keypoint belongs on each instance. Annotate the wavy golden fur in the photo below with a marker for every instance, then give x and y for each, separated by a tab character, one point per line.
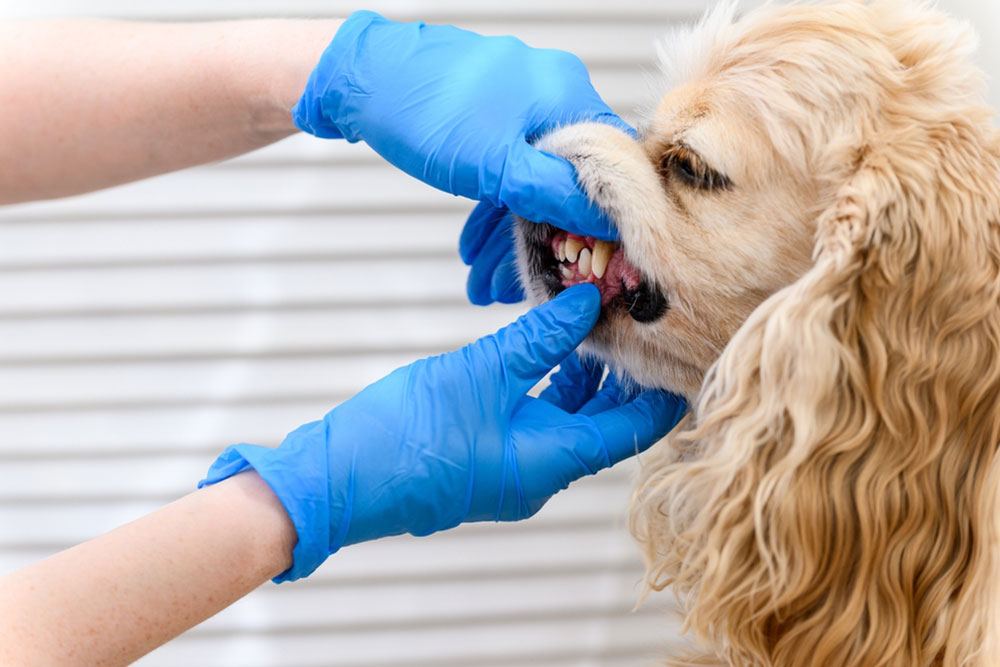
835	497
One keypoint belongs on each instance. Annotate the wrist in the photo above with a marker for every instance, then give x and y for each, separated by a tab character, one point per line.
297	473
271	541
289	50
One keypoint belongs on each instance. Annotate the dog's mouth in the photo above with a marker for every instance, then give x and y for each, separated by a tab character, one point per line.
562	259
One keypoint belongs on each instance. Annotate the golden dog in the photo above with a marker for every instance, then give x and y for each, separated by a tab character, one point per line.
810	254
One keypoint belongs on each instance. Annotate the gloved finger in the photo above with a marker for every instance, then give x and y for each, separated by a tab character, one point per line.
542	188
586	104
499	244
598	113
637	425
478	227
608	397
574	384
544	336
609	117
505	285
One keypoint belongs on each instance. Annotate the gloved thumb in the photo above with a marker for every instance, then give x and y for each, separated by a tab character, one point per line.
544	336
541	187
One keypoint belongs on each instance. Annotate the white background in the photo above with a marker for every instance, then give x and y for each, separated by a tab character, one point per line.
144	328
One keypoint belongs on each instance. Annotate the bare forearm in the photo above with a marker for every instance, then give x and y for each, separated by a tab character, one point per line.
118	596
90	104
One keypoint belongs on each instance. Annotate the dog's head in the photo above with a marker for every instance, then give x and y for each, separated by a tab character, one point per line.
810	252
711	223
717	201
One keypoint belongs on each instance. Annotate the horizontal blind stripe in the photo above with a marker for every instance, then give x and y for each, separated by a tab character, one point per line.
155	431
412	622
447	10
31	213
187	242
143	404
245	284
248	334
194	381
623	656
72	311
512	642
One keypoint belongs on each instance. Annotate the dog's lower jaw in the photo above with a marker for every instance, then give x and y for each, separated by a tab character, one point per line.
631	349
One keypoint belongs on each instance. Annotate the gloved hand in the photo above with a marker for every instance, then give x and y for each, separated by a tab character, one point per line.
455	438
458	111
487	247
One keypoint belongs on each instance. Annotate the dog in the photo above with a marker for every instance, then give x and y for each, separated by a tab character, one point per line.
810	254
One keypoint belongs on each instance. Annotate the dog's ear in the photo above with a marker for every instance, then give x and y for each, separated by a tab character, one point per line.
837	497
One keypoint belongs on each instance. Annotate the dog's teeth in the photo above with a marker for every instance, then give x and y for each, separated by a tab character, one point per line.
561	251
566	272
602	255
584	265
573	248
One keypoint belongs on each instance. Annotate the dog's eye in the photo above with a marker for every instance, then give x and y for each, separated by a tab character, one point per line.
682	163
687	170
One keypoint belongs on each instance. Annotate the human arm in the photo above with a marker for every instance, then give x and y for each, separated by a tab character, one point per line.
116	597
448	439
87	104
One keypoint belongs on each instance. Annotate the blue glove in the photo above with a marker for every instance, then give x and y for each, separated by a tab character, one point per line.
458	111
455	438
487	247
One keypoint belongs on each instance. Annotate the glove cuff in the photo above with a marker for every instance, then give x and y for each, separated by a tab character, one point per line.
316	111
305	500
